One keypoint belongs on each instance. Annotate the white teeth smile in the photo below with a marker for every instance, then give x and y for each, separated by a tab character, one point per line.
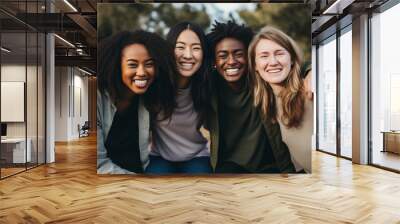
140	83
232	71
274	70
186	66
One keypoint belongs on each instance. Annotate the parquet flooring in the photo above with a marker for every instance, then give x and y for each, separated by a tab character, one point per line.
70	191
387	159
9	171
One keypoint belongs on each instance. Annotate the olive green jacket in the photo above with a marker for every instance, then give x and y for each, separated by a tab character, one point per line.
279	148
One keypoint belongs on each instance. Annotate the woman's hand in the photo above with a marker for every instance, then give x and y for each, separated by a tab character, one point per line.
308	86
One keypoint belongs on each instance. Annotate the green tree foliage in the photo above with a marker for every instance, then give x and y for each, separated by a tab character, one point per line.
113	18
170	15
156	17
293	19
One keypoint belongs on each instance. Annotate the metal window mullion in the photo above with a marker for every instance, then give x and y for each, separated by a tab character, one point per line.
338	96
369	78
69	92
45	94
37	91
317	96
26	86
0	92
73	92
60	88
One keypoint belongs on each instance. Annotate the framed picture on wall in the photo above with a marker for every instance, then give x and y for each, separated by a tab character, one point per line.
12	101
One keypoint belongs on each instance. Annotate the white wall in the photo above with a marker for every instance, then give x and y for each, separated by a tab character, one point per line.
81	105
61	103
71	93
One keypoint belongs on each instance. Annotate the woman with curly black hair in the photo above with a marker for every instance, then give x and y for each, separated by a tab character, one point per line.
135	83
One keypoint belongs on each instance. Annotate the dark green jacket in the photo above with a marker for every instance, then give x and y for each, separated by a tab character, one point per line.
279	148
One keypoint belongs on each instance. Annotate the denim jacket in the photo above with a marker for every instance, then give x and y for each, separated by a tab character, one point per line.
105	114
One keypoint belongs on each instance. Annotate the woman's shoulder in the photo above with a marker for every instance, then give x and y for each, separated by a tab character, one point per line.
104	98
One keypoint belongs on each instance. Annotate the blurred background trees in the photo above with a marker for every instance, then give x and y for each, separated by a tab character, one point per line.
156	17
294	19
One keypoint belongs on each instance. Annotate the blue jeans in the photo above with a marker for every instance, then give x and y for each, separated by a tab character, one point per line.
198	165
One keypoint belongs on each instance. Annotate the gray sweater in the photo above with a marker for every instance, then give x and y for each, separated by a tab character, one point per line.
178	138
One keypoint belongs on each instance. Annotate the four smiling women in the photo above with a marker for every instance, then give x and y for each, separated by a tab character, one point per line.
155	96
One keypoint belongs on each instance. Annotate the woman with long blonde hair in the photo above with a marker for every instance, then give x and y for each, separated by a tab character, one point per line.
274	64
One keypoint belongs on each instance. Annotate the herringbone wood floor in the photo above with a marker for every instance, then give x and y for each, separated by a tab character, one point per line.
70	191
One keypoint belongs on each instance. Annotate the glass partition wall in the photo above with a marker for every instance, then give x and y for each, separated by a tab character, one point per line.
326	96
334	94
22	79
345	62
13	88
334	90
385	89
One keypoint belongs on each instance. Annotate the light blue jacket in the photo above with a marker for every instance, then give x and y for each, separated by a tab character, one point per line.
105	115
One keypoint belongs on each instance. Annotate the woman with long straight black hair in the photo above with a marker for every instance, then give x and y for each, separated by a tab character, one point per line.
178	146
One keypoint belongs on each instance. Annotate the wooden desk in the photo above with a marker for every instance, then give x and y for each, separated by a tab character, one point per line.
13	150
391	141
